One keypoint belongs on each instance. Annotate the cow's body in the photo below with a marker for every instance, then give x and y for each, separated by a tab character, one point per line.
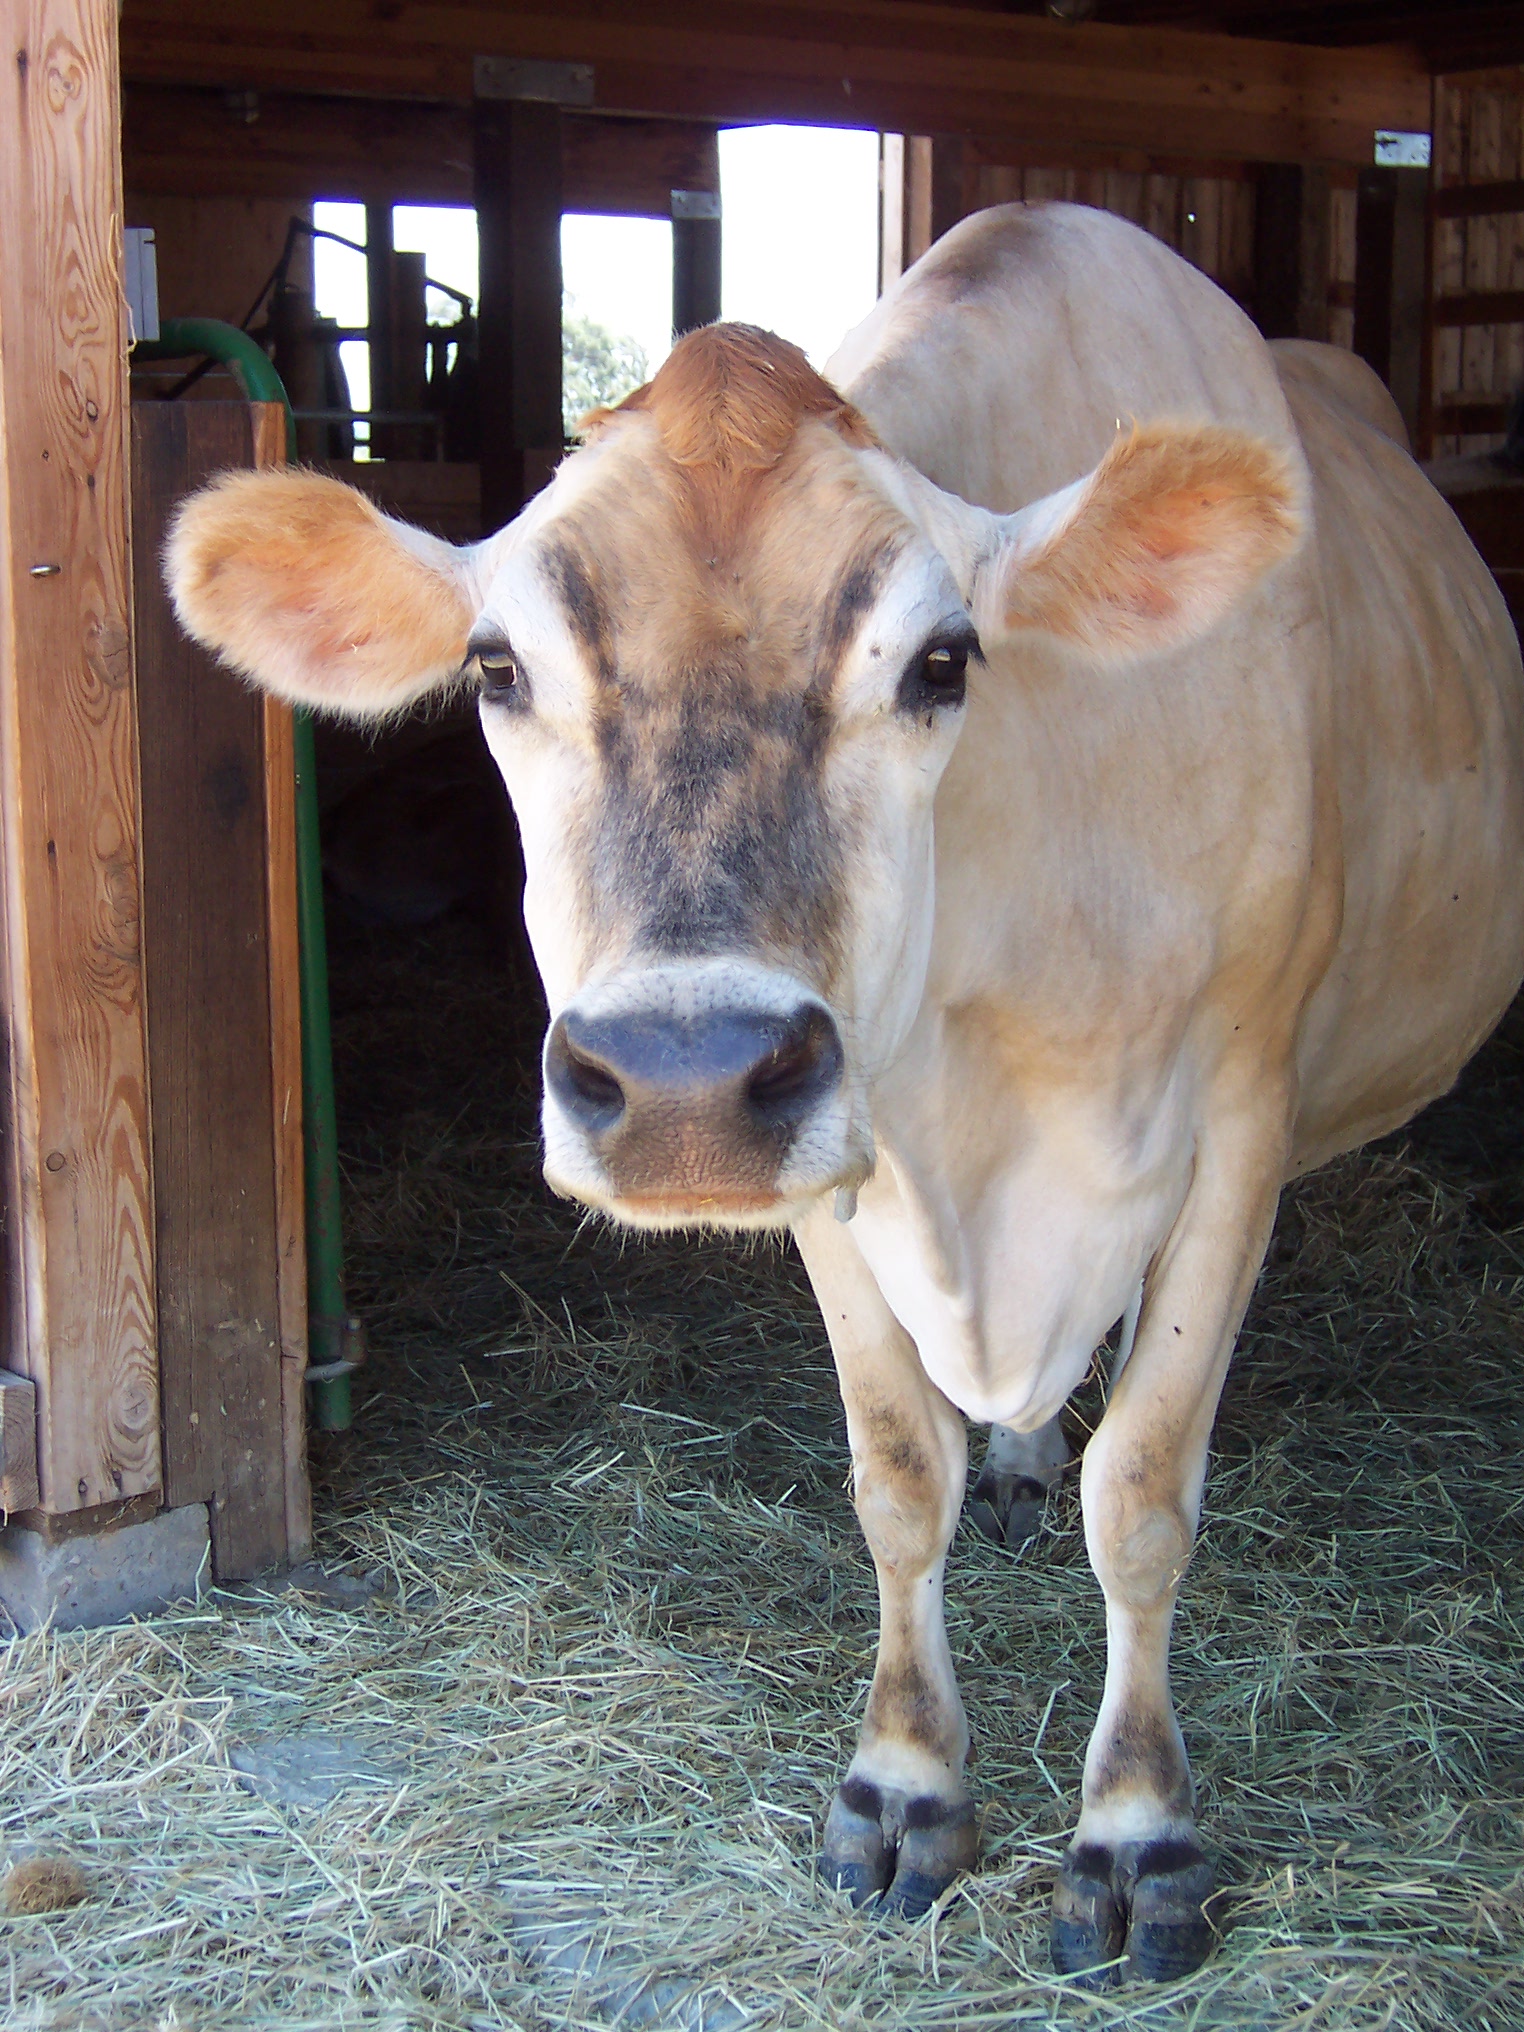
1377	670
1225	880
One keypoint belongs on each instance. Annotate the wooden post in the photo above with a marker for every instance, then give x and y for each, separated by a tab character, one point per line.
79	1226
927	182
696	251
518	214
379	314
1390	252
1291	224
891	210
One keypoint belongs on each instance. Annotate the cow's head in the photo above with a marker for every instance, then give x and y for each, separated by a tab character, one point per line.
721	664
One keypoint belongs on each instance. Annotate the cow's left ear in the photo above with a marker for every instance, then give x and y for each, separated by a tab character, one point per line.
304	586
1150	550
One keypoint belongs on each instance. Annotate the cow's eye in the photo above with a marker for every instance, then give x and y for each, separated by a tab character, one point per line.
497	667
945	669
938	676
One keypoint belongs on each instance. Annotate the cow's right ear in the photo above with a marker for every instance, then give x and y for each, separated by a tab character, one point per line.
301	584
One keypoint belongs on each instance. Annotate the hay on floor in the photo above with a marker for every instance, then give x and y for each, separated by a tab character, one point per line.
566	1757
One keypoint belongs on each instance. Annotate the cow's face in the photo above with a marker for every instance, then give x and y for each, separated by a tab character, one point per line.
721	703
721	665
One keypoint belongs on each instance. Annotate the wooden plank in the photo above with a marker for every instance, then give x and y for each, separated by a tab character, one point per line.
1470	418
79	1232
205	917
1010	151
186	142
892	64
1463	308
284	947
518	216
1479	200
18	1444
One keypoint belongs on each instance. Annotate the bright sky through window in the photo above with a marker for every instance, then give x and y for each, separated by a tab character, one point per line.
801	231
800	249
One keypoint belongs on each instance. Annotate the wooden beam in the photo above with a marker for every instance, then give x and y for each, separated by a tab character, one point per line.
78	1227
518	217
1479	200
190	142
1479	417
892	64
1480	307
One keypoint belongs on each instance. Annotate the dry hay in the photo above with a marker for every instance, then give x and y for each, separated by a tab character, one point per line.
628	1626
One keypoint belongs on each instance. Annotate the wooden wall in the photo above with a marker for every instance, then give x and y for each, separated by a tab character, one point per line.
1210	211
1476	360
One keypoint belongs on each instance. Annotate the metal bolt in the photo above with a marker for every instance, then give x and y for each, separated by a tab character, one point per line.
45	571
55	1160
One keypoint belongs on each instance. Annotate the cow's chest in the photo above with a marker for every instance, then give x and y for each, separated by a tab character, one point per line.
1007	1282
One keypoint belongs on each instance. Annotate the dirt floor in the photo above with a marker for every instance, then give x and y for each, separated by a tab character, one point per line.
548	1740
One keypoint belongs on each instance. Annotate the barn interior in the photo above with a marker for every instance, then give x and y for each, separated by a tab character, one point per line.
618	1466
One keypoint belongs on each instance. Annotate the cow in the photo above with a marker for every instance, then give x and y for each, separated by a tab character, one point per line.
997	810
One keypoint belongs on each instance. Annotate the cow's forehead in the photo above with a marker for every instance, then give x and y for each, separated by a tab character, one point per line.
645	582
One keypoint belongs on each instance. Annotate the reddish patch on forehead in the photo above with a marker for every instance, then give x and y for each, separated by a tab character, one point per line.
733	396
728	403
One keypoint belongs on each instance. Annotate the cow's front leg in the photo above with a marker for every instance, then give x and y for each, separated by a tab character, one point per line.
902	1825
1135	1880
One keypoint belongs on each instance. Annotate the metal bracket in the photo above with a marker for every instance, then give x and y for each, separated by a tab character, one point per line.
695	204
551	84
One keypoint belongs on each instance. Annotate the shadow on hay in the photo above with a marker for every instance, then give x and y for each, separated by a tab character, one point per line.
1388	1293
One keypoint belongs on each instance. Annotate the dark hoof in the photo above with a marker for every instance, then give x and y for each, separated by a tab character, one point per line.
900	1854
1007	1508
1089	1924
1144	1901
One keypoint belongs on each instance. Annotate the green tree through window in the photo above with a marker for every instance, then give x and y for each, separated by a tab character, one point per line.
597	366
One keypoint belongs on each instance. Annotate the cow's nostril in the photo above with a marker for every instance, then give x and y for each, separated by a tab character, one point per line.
800	1070
586	1088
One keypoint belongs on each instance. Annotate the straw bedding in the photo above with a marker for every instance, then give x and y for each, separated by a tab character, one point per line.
608	1629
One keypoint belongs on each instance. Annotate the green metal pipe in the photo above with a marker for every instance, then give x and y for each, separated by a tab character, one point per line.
246	360
332	1335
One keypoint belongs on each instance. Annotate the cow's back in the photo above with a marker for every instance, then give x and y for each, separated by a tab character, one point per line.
1428	698
1003	364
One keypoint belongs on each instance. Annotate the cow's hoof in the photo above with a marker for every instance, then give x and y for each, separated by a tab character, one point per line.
1089	1924
1145	1902
898	1853
1007	1508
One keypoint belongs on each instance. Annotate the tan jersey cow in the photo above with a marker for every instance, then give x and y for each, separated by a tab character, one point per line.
1000	819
